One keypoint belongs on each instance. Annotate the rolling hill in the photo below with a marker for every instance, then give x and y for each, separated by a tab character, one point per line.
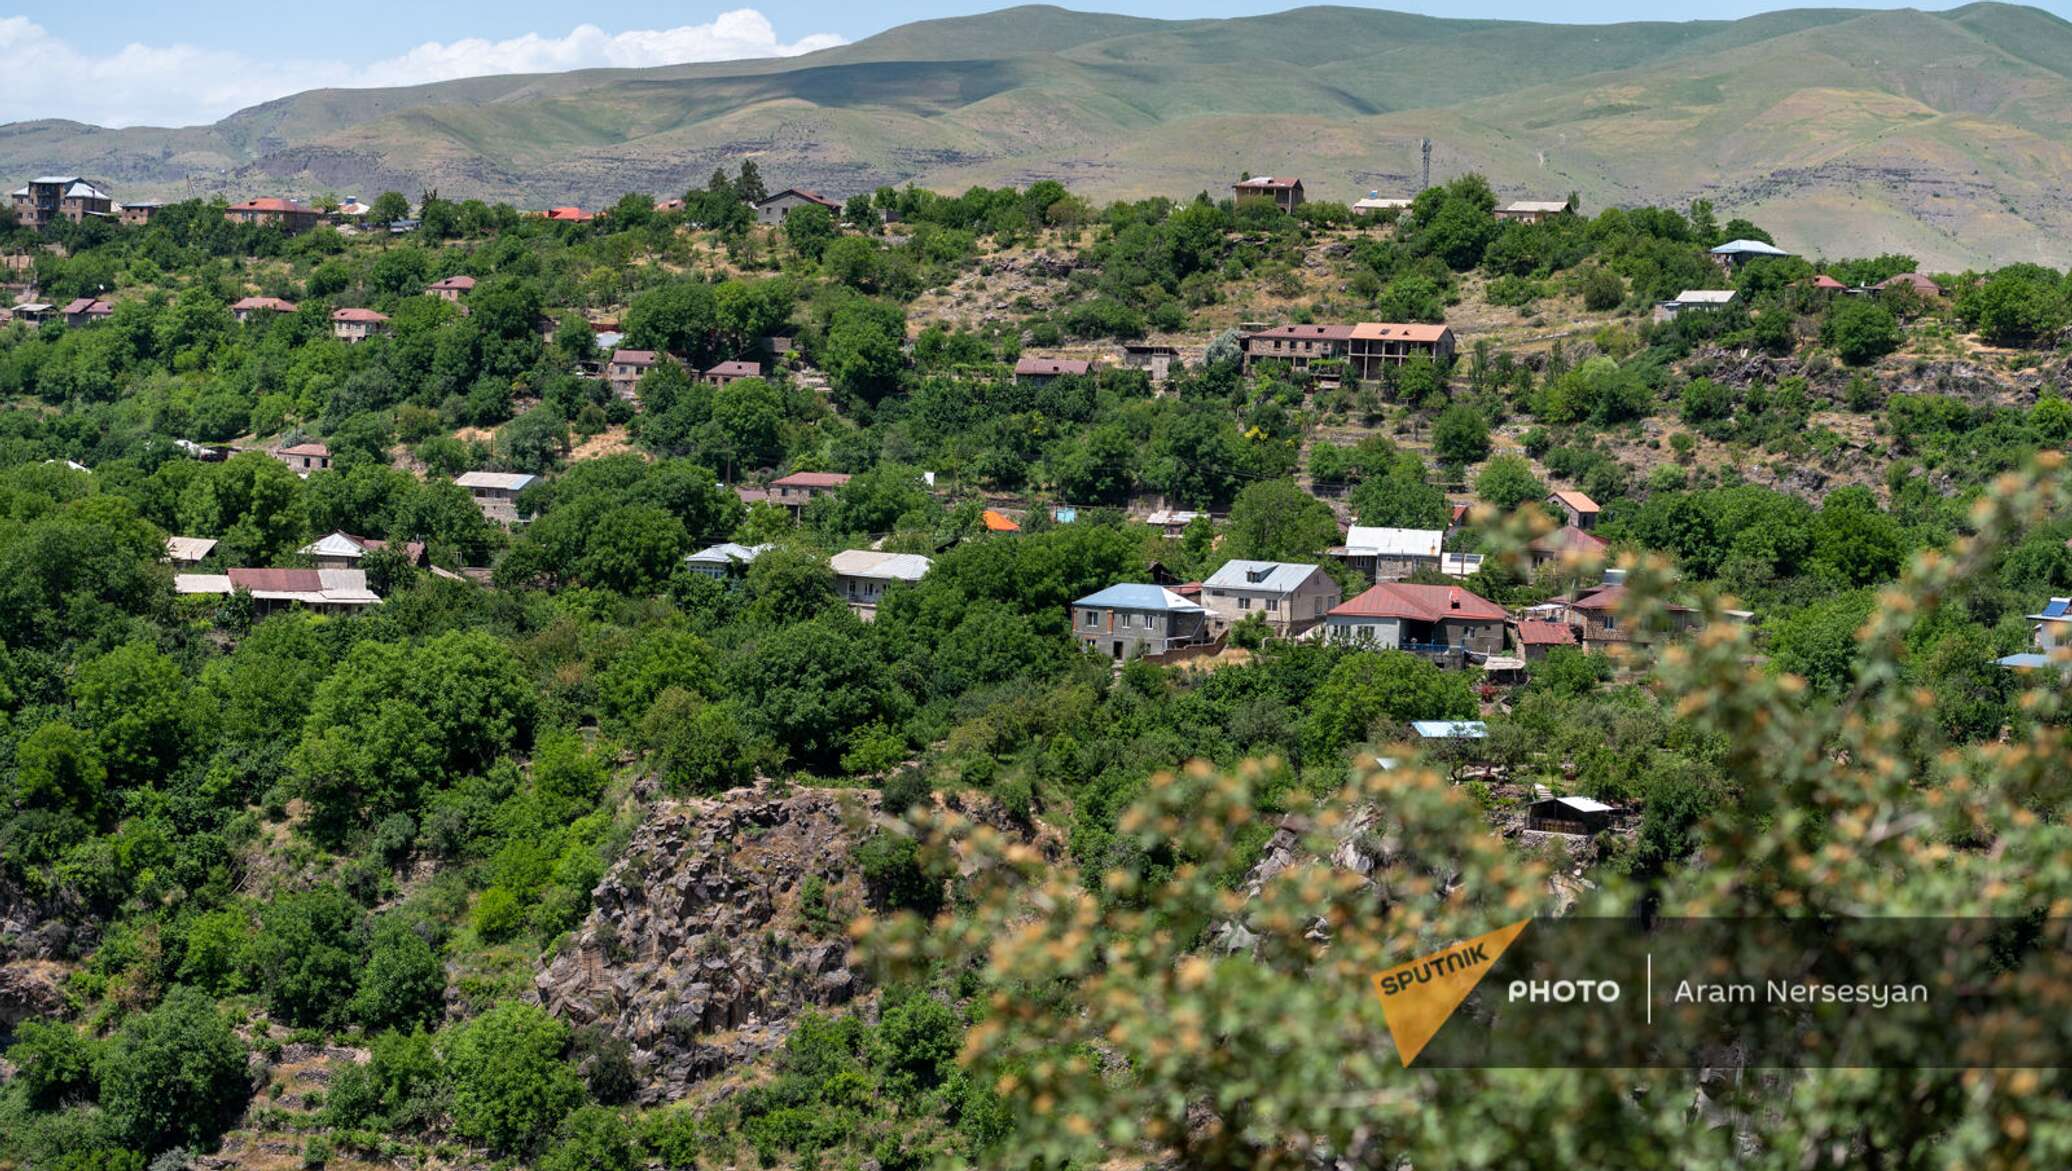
1845	131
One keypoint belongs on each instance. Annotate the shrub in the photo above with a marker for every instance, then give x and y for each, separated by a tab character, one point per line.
404	983
176	1075
510	1086
498	914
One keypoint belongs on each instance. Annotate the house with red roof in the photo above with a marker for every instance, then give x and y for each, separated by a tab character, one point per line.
357	325
1443	621
86	311
1576	507
247	308
1600	620
727	372
285	214
452	288
1536	636
304	458
1563	543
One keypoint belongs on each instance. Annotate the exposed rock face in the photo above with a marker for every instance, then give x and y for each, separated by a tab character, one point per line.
698	952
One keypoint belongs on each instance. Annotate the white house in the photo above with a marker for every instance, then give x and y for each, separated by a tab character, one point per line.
863	575
724	559
1292	597
1387	554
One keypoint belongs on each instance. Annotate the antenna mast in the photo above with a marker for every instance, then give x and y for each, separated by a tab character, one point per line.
1424	146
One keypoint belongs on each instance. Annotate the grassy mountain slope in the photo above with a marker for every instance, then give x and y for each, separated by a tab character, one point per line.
1849	129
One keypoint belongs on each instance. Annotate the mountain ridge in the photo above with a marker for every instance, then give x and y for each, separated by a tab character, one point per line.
1938	133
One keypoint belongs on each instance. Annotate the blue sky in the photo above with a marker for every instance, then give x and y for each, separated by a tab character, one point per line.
132	62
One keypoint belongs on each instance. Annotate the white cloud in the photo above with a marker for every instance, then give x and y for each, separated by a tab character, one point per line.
42	76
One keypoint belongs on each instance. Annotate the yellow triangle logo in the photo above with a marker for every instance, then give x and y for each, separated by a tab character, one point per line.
1418	997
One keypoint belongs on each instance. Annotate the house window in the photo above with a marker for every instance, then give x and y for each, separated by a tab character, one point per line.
1611	621
1128	620
1244	603
1273	604
1091	619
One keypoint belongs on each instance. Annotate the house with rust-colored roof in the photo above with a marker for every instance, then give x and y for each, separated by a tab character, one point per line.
86	311
1576	507
727	372
798	489
285	214
304	458
1447	623
771	209
357	325
249	307
1563	543
1536	636
1037	371
452	288
1286	192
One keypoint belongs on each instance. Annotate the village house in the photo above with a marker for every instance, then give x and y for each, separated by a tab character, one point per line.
452	288
568	215
357	325
1388	554
138	214
627	367
1576	508
771	208
727	372
342	550
1535	637
187	552
1532	211
1692	299
1828	286
798	489
1291	597
247	308
496	493
51	198
1129	620
1155	357
1913	282
1598	622
1041	371
32	313
1374	204
1375	345
1735	253
1444	622
1172	522
286	214
725	559
87	310
1367	348
1285	193
1297	345
274	590
304	458
1556	547
1573	816
2052	629
863	575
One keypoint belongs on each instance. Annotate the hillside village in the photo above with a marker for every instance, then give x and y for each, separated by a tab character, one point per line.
616	687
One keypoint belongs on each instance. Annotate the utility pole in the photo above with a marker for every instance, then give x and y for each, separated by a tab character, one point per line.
1424	147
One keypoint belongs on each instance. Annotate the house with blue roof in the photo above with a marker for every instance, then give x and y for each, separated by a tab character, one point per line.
1292	597
1131	619
2053	629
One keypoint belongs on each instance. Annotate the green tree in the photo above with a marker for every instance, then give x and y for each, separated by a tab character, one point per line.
1507	482
387	208
174	1076
810	227
810	684
134	700
307	956
404	983
510	1086
1461	435
862	352
1368	687
1860	329
1275	520
592	1138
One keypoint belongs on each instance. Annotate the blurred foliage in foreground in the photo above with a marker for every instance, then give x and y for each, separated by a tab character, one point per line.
1225	1019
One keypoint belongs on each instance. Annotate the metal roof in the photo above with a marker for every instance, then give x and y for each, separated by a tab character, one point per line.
1450	729
874	563
1277	576
1137	596
726	553
512	481
2058	610
1388	542
1704	297
1748	248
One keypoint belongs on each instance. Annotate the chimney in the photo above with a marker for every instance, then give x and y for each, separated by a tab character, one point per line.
1453	599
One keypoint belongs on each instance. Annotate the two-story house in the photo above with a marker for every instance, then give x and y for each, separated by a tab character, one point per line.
343	550
862	576
285	214
728	372
1125	621
357	325
1568	541
451	289
496	493
59	197
1291	597
2052	629
1446	623
1576	508
1390	554
798	489
1599	621
245	309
